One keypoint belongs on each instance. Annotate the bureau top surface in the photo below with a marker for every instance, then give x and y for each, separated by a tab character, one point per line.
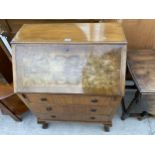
141	64
70	33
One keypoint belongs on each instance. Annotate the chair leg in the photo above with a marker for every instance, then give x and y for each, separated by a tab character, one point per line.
123	108
143	115
126	112
123	105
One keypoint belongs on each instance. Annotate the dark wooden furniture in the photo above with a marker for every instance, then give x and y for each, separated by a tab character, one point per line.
10	103
70	72
140	33
5	66
141	65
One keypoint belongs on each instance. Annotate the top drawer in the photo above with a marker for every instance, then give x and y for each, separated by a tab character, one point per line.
70	69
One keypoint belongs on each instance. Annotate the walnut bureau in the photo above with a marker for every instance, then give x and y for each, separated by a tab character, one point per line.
70	72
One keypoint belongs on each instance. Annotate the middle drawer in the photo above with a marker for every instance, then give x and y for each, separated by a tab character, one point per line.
70	109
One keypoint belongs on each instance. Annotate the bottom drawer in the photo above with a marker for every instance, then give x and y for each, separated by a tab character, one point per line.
75	117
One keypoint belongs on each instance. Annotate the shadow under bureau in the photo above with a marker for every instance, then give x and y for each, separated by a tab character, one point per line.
70	72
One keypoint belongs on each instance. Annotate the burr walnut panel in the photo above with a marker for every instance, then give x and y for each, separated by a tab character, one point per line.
78	69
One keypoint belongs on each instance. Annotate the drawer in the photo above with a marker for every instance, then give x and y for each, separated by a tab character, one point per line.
75	117
50	99
70	109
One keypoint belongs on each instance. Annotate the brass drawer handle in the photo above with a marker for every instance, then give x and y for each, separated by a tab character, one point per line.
49	108
92	118
43	99
94	100
93	110
53	116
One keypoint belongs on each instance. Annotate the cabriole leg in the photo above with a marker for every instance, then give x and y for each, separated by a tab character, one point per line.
126	113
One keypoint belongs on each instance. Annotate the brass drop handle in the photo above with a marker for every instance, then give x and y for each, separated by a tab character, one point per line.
92	118
93	110
94	100
49	108
43	99
53	116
